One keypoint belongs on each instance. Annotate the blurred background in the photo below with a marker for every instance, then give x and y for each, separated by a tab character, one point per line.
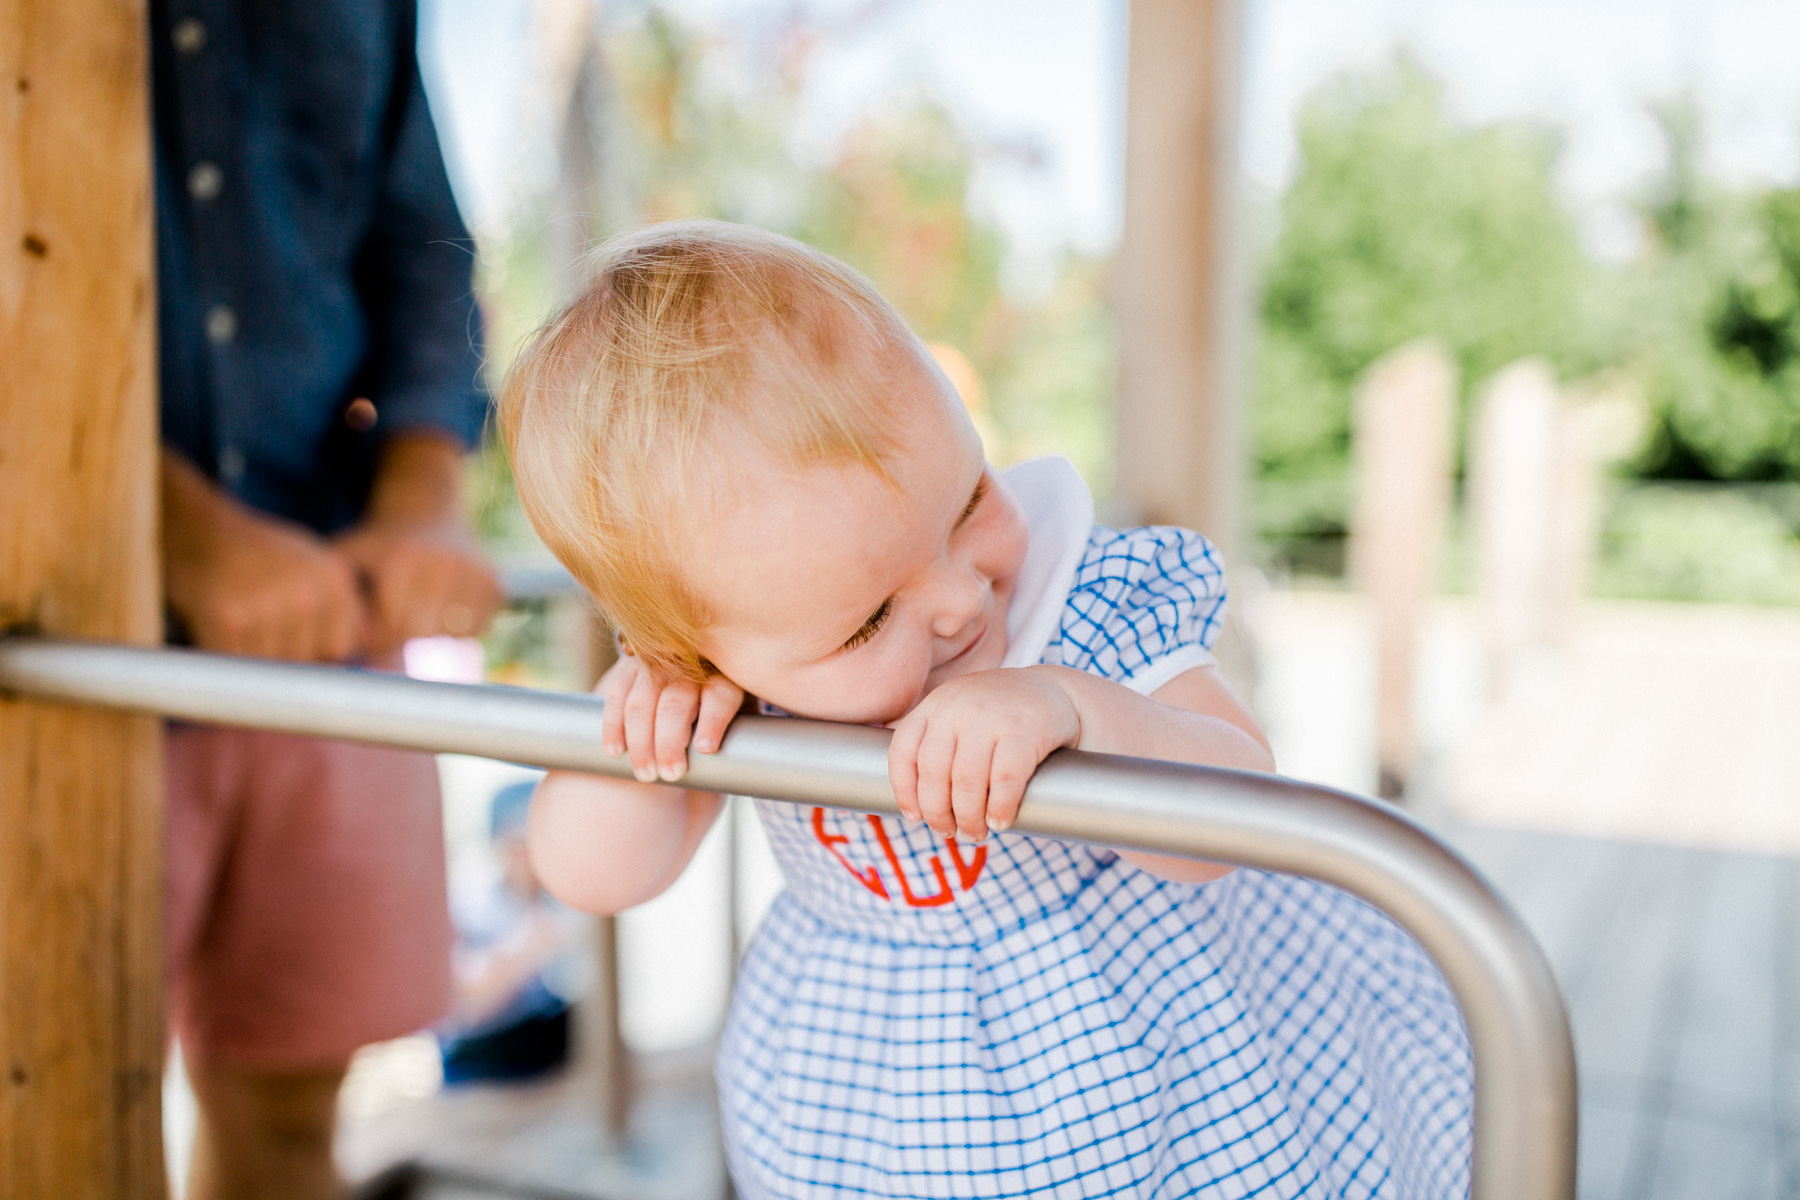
1517	287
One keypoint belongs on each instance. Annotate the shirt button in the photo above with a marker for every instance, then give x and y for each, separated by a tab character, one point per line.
231	464
221	324
189	35
205	181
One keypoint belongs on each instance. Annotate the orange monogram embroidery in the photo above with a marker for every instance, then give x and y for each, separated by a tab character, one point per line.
831	842
967	872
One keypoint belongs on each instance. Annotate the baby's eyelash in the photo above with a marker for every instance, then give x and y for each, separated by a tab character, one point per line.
872	626
974	501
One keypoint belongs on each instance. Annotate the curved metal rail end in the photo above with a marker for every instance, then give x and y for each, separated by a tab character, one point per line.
1525	1084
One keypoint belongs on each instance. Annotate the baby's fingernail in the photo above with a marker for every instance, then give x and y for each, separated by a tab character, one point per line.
966	840
614	749
995	823
670	772
704	745
645	774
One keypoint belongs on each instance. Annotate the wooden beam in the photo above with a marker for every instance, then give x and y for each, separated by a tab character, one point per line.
1179	446
81	1036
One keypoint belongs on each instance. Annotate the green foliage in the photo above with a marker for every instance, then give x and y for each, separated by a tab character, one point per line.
894	204
1718	339
1704	542
1398	226
895	207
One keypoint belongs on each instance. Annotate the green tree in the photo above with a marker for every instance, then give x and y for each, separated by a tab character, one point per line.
1401	225
1718	337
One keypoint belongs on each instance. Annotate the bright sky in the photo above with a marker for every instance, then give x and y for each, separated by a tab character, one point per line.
1049	73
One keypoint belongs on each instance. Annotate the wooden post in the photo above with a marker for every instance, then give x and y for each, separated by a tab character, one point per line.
1512	457
1179	449
81	1035
1405	440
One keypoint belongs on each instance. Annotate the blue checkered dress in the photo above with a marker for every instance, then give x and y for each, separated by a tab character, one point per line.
1035	1018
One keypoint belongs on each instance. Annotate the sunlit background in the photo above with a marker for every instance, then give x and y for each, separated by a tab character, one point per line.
1607	191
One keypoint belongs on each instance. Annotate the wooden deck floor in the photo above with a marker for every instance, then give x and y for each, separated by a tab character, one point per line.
1681	969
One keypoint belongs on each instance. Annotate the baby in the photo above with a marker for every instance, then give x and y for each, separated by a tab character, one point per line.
760	475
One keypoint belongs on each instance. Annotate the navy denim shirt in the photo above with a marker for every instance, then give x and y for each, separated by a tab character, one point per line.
309	251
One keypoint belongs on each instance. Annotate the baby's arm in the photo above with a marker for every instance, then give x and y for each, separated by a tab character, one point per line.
603	845
961	759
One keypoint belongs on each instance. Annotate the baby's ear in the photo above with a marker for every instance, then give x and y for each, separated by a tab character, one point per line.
622	644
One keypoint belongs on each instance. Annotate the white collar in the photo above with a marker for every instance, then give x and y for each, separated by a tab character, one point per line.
1059	511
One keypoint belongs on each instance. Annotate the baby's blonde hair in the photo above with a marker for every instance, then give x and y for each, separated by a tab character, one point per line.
684	328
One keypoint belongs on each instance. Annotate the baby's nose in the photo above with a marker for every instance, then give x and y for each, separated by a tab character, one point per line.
959	603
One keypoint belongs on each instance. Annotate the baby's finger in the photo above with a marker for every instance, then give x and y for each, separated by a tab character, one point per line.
903	767
614	686
720	700
1014	764
969	788
936	754
640	726
675	710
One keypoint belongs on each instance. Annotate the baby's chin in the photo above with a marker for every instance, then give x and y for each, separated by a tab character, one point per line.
985	657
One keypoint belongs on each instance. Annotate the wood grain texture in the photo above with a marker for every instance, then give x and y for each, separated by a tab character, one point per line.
80	836
1178	289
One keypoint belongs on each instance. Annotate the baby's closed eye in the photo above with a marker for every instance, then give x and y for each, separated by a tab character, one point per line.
872	626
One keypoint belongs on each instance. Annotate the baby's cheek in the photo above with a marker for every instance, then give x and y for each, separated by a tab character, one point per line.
891	688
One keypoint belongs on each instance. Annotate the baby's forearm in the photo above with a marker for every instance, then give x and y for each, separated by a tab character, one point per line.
1193	719
603	845
1117	720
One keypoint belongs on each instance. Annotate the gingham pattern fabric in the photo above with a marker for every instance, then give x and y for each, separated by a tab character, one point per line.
1035	1018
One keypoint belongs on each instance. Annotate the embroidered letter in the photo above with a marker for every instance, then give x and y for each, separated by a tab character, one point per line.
943	896
831	842
967	873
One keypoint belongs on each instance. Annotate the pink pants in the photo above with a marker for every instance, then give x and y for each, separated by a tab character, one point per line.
306	905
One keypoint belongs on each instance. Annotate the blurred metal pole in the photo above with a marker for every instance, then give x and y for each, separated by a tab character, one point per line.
1525	1089
602	1063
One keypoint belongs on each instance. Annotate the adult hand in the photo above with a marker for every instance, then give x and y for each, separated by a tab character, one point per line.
423	569
245	582
422	581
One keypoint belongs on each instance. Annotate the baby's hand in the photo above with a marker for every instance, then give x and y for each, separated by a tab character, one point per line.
961	759
654	718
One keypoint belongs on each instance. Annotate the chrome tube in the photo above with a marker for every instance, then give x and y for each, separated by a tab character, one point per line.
1525	1089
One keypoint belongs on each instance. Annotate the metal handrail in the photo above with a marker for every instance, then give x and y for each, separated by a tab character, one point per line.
1525	1088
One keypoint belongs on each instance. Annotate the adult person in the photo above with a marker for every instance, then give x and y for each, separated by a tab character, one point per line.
319	366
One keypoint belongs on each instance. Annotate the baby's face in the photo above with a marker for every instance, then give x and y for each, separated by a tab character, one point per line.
845	597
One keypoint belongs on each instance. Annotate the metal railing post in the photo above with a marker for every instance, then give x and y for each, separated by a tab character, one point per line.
1525	1088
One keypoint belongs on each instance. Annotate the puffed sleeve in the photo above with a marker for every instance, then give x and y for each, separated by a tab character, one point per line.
1146	606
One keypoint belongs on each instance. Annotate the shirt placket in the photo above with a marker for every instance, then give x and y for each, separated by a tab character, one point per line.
208	64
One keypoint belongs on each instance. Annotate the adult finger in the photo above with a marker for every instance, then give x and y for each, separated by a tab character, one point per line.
675	710
415	584
969	787
474	597
341	623
285	621
640	726
720	700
